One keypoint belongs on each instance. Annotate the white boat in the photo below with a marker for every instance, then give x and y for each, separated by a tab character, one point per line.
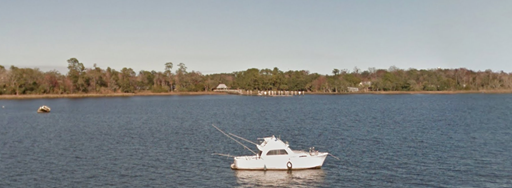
274	154
43	109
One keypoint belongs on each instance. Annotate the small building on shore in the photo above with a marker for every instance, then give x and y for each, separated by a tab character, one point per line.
221	87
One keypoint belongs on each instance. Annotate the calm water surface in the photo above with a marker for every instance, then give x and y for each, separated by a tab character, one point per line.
167	141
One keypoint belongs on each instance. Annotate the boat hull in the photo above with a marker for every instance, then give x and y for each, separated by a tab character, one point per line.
279	162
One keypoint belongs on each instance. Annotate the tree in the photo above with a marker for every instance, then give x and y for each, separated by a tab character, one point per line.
180	74
75	74
127	80
112	77
277	79
352	79
145	80
51	82
15	78
356	70
168	74
168	66
335	72
3	79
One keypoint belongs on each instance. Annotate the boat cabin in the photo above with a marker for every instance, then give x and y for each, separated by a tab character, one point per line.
272	146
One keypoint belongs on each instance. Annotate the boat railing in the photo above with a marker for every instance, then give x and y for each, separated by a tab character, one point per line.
248	157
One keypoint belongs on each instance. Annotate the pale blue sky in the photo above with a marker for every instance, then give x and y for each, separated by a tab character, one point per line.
226	36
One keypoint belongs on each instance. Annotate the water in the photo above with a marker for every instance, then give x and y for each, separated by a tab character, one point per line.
167	141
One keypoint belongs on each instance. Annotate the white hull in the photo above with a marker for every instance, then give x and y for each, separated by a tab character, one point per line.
300	161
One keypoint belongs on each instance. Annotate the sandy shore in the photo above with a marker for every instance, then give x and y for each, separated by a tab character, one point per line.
221	93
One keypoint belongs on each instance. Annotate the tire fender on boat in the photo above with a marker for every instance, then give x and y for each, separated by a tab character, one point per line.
289	165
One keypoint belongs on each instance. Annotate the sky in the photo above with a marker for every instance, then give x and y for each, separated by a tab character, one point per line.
224	36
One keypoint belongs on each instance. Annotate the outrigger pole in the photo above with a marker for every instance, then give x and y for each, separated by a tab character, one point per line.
334	156
225	155
234	139
242	138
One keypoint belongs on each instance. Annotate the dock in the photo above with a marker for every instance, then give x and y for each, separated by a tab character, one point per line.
271	93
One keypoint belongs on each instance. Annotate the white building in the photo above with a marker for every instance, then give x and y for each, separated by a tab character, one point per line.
221	87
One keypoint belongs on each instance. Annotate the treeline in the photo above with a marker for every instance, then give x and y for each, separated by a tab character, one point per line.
17	81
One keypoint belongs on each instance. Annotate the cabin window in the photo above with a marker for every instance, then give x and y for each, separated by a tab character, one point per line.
277	152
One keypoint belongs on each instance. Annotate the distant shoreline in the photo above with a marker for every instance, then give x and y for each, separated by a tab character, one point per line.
92	95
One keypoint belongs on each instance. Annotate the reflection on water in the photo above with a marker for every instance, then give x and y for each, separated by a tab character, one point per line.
298	178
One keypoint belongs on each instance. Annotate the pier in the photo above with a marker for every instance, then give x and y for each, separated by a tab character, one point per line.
272	93
278	93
